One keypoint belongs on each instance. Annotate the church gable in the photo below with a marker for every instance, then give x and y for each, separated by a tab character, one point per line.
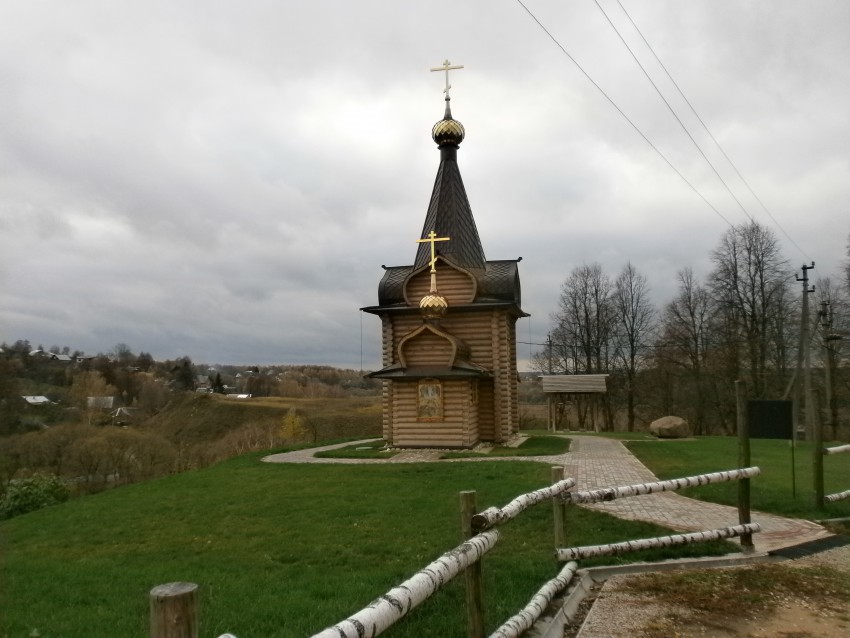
429	347
458	286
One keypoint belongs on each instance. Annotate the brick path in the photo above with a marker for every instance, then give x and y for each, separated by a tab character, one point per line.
597	462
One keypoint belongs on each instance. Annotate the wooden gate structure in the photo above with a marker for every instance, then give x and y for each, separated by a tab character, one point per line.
585	391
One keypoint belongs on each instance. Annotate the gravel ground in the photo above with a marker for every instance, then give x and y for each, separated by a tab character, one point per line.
624	614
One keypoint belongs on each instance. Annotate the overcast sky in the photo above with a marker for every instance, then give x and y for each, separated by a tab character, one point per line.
223	180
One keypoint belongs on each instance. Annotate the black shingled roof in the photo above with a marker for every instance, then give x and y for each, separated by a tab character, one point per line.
498	282
449	215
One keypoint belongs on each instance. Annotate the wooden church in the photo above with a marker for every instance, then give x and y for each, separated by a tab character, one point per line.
449	324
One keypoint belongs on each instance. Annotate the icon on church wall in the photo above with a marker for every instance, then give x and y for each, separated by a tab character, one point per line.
430	404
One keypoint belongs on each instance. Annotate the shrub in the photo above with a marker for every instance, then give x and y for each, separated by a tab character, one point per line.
29	494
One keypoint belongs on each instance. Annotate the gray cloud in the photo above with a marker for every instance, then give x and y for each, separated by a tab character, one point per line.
225	181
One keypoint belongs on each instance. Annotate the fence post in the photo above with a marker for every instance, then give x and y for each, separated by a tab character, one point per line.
743	461
559	509
472	575
174	611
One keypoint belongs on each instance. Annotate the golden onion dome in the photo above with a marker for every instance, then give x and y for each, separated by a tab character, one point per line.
448	131
433	306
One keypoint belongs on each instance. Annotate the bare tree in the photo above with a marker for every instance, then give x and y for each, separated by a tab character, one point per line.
87	454
833	317
847	267
122	355
90	385
685	337
581	338
748	284
584	320
633	316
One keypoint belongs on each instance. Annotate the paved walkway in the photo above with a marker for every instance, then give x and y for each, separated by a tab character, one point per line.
596	462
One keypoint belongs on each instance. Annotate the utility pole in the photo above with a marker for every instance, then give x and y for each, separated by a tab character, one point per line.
803	367
814	432
826	322
817	440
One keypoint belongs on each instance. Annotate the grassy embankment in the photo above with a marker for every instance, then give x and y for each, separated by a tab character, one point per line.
203	418
533	446
280	550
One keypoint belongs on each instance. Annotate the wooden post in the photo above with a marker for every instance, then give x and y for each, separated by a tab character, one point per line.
472	575
559	509
743	461
174	611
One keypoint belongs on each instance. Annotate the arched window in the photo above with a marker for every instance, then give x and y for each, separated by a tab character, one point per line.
429	406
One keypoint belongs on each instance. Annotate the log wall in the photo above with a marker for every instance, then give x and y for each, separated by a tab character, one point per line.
456	286
457	428
490	335
486	416
387	389
473	328
428	350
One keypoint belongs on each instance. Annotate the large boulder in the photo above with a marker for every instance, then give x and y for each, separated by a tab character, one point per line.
670	427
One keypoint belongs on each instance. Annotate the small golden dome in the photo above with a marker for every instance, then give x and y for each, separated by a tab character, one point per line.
433	306
448	131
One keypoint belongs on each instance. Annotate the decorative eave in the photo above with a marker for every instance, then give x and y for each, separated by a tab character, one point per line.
403	308
459	348
461	370
498	281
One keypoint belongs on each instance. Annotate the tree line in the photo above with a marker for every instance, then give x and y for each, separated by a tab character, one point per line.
118	418
743	321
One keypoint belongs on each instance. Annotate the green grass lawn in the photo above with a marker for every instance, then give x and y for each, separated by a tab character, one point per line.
620	436
532	446
771	490
281	550
370	450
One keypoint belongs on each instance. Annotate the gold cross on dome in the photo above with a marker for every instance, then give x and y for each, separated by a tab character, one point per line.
447	66
432	239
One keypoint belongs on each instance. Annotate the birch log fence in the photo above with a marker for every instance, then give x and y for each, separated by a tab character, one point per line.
837	496
399	601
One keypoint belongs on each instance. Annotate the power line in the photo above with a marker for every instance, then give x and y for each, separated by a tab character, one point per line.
705	126
620	111
673	112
